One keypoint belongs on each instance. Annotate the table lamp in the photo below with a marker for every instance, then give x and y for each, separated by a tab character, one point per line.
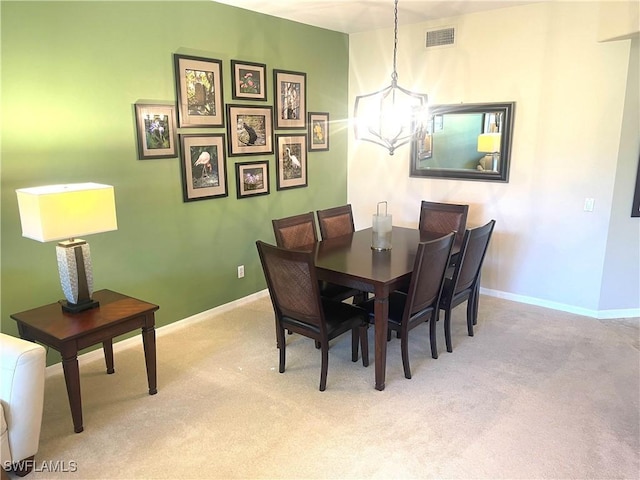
490	143
64	212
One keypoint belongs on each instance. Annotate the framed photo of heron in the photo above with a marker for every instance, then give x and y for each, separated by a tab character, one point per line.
250	129
290	97
199	91
291	161
156	131
318	131
252	179
249	80
204	169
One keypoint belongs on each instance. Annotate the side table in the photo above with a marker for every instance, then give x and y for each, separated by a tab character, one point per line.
69	333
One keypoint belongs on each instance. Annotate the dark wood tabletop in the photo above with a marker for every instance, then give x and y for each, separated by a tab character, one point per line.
349	260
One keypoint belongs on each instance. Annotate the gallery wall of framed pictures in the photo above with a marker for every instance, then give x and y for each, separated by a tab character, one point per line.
252	129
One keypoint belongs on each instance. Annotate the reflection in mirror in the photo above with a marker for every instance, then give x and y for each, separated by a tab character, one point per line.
466	141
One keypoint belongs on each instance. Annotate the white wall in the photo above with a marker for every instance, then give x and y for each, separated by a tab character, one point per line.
569	92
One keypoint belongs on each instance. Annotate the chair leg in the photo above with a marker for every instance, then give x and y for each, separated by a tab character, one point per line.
23	467
282	345
433	334
447	328
476	301
470	309
324	367
355	339
364	343
404	348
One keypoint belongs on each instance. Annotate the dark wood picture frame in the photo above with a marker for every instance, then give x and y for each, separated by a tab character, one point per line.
252	179
199	91
290	99
204	166
156	131
291	161
318	131
250	130
249	80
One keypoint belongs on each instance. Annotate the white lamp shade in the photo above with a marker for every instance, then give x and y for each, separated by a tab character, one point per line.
489	142
57	212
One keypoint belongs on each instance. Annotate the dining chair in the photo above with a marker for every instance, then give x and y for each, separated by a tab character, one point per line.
464	283
298	306
295	231
336	221
299	231
444	218
420	303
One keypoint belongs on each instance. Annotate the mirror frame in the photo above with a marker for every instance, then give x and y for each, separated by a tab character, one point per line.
507	109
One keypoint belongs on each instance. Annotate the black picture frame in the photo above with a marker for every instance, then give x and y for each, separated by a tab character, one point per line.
156	131
318	131
204	166
250	129
252	179
199	91
290	99
249	80
635	209
291	161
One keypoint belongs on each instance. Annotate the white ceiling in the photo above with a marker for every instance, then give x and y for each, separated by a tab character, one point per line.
352	16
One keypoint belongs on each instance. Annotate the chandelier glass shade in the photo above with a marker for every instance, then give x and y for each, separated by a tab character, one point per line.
393	115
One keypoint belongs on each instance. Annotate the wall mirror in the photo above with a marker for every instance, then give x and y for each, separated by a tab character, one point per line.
466	141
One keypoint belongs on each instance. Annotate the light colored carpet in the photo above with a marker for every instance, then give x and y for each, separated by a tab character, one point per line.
535	394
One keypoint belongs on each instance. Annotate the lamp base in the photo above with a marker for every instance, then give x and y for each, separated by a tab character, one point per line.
78	307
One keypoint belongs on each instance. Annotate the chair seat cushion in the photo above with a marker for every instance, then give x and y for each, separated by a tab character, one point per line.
336	292
341	316
397	301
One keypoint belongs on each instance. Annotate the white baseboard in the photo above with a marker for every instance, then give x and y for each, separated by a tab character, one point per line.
56	368
121	345
599	314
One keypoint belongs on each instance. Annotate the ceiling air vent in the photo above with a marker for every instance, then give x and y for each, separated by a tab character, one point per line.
441	37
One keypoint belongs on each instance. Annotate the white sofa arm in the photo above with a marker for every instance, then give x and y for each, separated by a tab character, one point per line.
22	368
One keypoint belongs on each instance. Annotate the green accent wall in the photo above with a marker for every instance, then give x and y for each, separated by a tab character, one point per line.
71	73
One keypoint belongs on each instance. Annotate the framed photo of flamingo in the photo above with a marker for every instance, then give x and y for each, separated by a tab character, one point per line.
250	129
156	131
252	179
249	80
291	161
290	97
204	166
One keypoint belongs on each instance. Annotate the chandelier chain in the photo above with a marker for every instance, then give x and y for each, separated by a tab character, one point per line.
394	75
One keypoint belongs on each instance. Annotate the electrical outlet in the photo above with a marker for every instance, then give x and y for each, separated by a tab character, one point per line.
240	271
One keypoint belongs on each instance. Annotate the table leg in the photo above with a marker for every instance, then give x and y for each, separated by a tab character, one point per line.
72	379
381	315
149	343
108	355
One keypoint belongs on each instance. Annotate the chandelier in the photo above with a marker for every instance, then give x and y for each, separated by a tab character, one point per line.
390	117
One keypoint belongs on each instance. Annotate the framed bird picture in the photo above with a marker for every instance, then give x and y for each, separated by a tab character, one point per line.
156	131
250	130
290	97
199	91
204	169
291	161
318	131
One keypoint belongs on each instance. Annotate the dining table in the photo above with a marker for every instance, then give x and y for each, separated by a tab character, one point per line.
349	260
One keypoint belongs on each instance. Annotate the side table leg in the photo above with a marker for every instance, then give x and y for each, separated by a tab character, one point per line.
72	379
149	343
108	355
